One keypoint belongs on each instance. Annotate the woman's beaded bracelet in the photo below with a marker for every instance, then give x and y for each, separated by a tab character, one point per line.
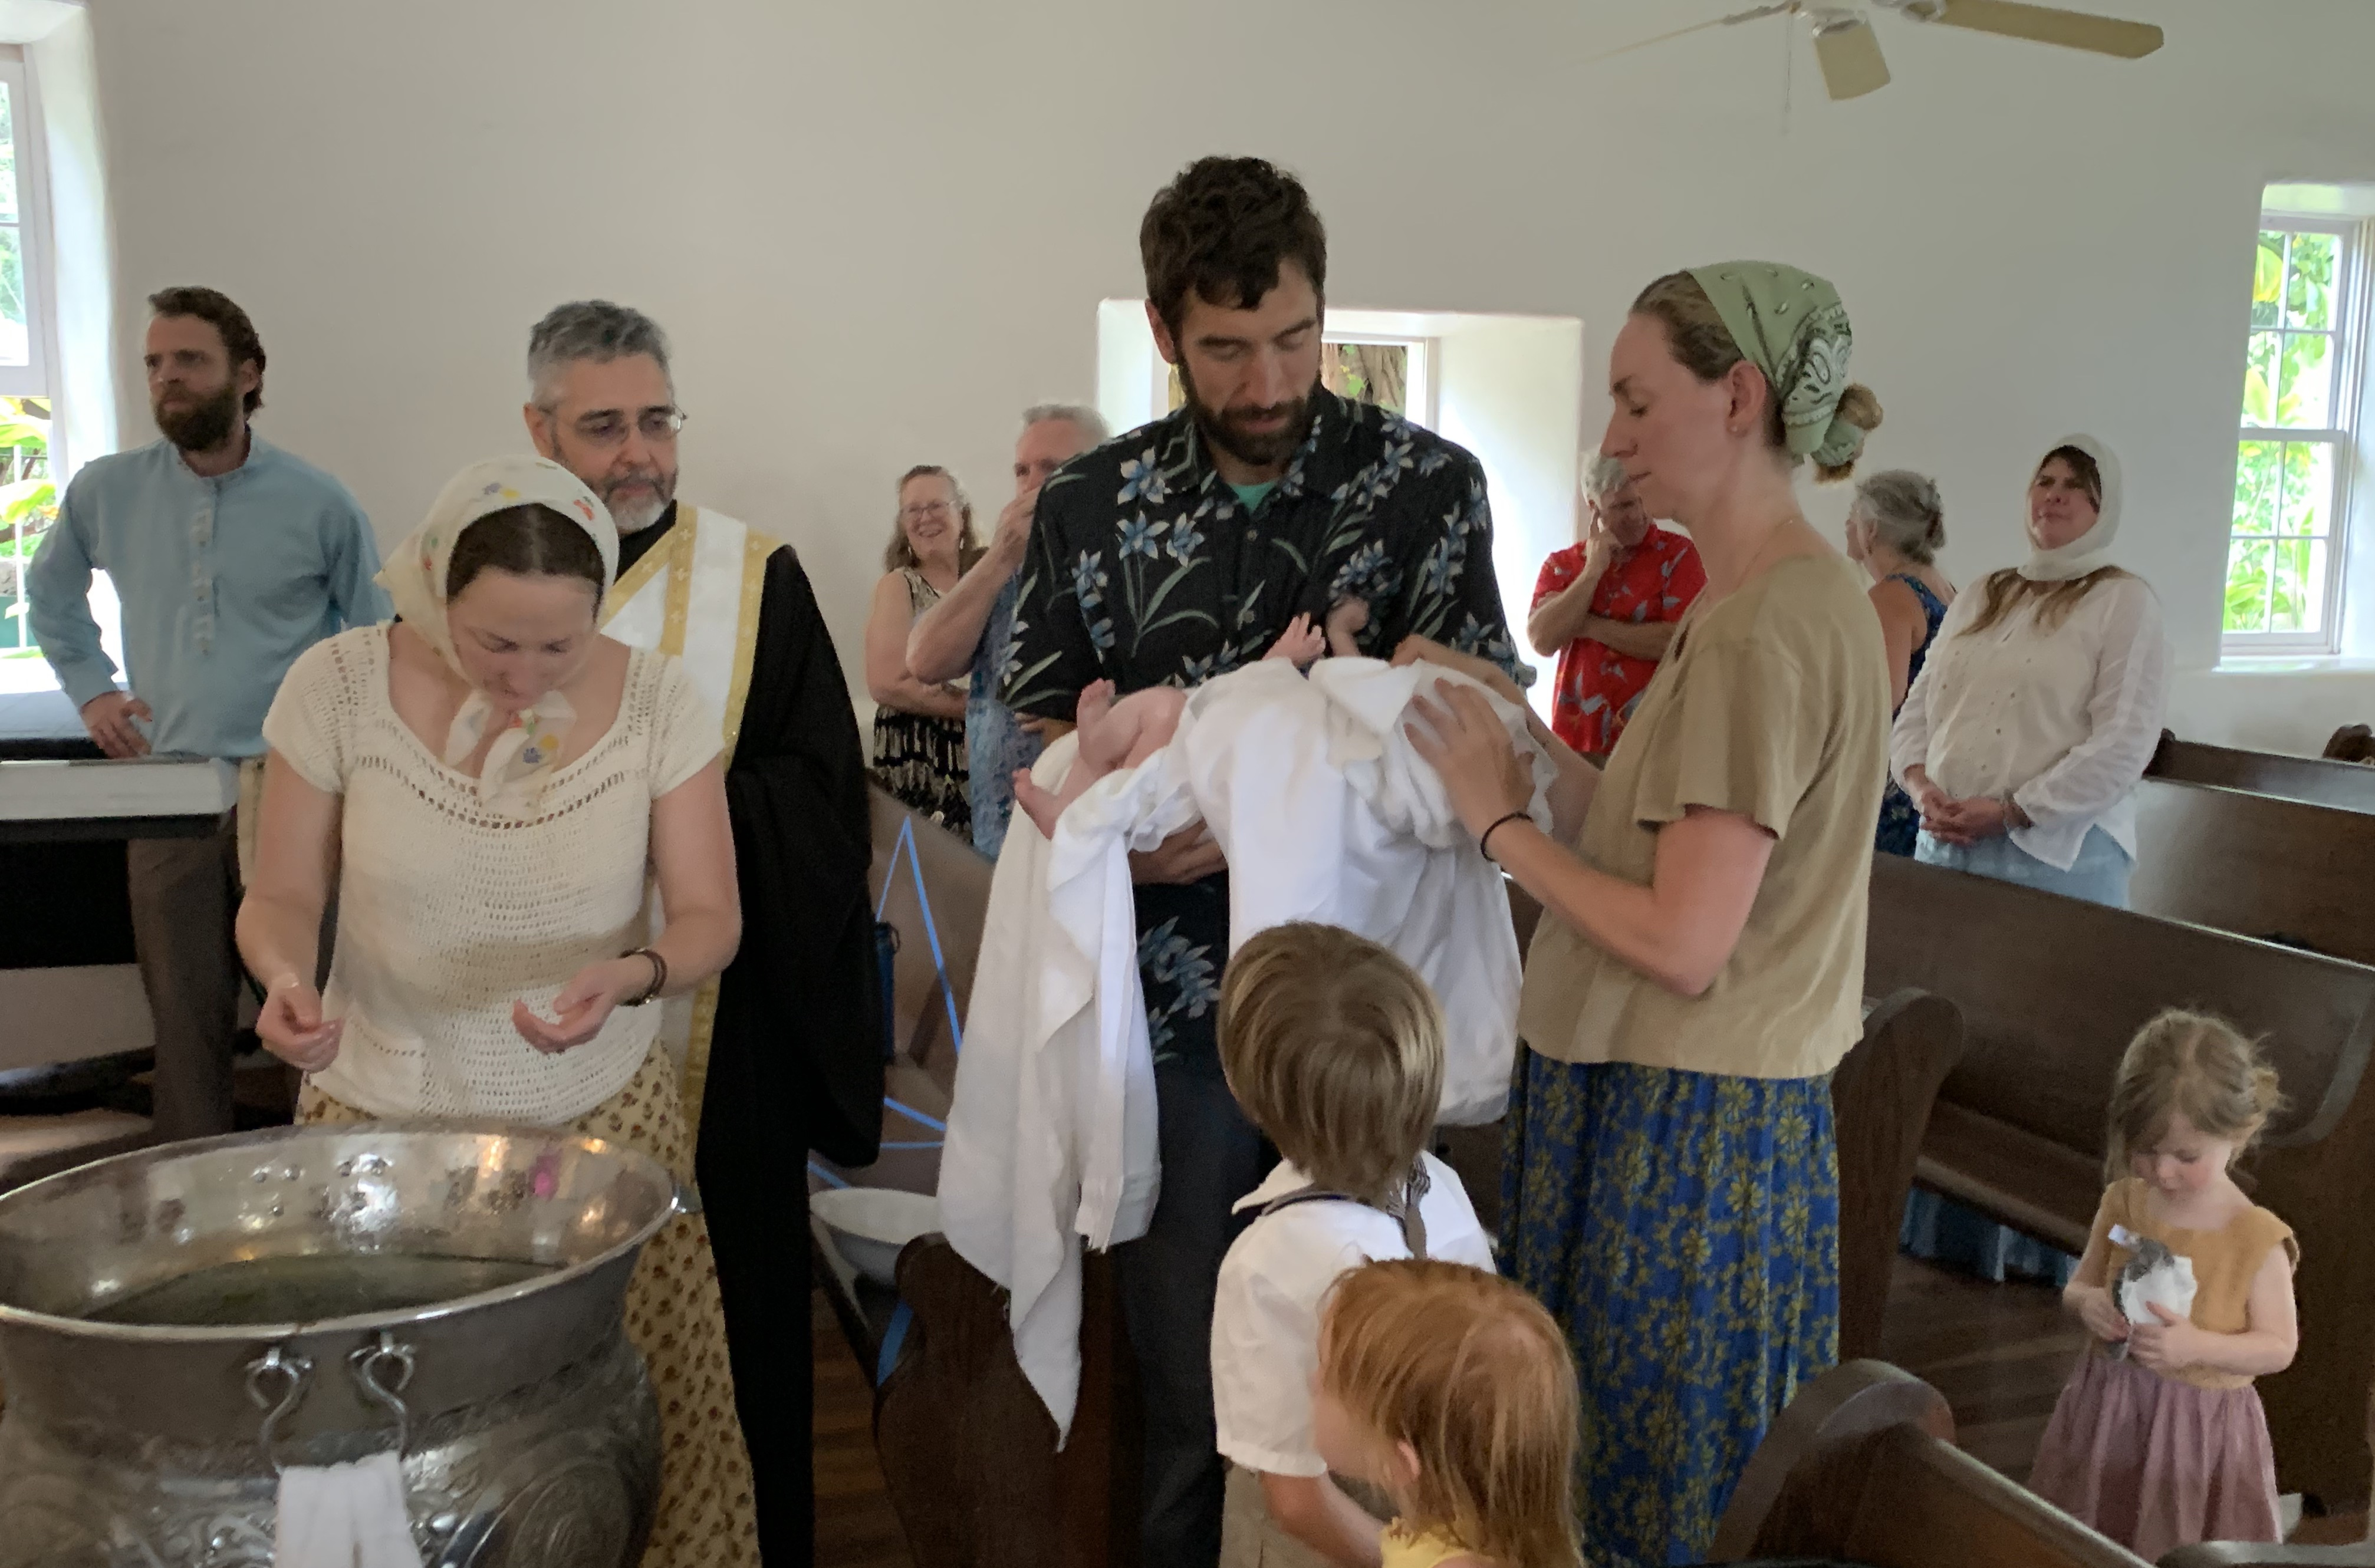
659	976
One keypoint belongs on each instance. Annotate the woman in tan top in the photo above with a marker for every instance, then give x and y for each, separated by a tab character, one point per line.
1670	1188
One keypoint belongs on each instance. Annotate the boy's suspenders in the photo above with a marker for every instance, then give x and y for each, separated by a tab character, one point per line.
1405	1213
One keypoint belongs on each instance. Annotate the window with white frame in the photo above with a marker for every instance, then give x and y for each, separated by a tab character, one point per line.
2295	461
29	496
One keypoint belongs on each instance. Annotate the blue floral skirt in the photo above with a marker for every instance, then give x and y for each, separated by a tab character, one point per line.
1683	1228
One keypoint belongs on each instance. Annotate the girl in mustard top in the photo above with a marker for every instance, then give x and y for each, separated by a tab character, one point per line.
2159	1441
1450	1390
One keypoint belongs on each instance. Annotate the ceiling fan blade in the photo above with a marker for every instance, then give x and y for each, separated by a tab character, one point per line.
1757	14
1850	58
2044	24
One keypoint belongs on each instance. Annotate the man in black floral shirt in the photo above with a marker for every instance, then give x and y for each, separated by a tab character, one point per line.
1180	552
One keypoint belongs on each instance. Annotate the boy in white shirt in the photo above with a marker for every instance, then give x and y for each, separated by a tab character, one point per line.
1334	1047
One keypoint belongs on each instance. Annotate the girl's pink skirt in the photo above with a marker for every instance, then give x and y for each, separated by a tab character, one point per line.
2156	1464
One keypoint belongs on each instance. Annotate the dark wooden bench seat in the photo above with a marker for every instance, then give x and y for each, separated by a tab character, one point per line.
1861	1468
2032	1182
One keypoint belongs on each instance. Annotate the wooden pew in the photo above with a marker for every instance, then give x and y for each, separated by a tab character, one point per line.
2050	990
1861	1468
2256	865
2329	781
2351	743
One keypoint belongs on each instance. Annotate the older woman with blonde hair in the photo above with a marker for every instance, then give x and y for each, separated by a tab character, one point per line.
1671	1186
1897	526
919	729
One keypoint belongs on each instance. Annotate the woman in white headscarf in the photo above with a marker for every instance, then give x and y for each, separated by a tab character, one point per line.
2022	742
495	781
2041	701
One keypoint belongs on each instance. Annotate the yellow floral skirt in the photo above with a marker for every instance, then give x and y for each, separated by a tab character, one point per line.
706	1518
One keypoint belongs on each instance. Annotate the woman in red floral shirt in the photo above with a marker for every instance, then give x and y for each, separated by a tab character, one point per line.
1607	608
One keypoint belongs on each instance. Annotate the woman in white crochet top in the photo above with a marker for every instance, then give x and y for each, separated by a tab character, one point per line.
494	782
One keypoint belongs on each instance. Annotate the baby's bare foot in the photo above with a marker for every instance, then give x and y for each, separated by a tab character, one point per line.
1096	701
1038	803
1349	617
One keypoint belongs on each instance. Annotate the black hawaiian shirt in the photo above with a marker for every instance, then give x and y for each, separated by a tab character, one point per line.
1146	570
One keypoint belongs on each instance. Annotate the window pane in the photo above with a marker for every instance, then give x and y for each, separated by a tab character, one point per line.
2309	291
1368	373
2260	379
8	155
29	504
2247	585
2268	280
2308	489
2296	602
2255	487
12	339
2305	396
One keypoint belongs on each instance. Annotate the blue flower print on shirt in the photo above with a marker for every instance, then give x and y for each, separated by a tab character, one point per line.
1142	480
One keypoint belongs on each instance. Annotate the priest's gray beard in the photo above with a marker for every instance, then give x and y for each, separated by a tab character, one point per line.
637	501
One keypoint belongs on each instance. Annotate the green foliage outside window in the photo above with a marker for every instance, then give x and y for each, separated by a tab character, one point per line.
29	504
2278	562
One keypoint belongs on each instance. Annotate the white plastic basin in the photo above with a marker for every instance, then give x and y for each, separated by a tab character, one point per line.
869	1225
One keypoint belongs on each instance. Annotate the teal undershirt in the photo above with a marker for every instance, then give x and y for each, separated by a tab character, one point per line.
1251	495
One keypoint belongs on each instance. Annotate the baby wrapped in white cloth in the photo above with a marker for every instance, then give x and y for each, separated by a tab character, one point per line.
1324	812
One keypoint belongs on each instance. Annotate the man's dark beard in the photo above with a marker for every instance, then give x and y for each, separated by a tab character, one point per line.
202	426
1255	449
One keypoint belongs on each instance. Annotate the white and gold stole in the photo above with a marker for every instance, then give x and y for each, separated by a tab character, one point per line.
696	596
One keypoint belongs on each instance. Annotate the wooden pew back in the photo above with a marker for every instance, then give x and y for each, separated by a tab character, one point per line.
1861	1468
955	879
2329	781
2051	991
2259	864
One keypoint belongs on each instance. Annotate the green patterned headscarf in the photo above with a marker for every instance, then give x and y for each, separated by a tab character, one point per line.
1791	326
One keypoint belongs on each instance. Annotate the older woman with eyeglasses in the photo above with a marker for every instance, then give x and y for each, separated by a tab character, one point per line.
919	737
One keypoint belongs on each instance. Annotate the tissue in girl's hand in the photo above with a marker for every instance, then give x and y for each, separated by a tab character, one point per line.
2153	1274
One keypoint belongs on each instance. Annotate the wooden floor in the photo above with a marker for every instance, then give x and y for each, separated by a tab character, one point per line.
1999	1353
855	1526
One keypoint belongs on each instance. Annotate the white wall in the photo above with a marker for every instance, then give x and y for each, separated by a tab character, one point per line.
1507	389
877	231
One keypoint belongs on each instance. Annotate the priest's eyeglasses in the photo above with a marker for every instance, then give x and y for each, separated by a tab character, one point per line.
608	427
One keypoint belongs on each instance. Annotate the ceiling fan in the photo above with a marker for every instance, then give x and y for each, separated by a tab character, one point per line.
1850	53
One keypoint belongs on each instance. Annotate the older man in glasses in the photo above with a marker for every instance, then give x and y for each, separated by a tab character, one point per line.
783	1048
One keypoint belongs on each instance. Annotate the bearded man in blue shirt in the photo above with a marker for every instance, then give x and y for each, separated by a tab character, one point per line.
230	558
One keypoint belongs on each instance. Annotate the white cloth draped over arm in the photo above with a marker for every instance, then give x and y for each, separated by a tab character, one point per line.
1052	1131
1326	813
2129	702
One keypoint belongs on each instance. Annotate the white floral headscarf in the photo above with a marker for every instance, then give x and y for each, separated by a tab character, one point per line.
414	578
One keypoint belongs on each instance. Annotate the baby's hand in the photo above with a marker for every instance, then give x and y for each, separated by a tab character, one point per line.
1301	642
1349	617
